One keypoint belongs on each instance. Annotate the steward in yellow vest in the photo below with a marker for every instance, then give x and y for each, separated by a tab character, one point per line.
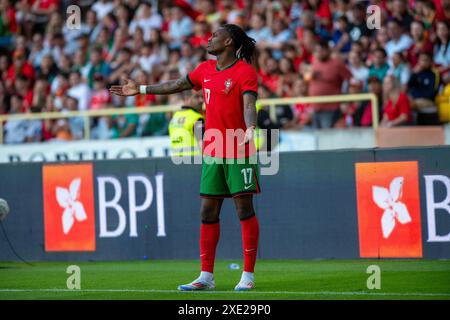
186	127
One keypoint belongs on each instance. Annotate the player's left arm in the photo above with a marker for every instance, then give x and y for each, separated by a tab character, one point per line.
250	115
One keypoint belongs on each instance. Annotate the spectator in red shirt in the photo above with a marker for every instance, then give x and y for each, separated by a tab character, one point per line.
396	110
201	34
308	43
100	95
293	53
327	77
269	73
302	111
22	88
20	66
42	9
420	44
143	100
306	22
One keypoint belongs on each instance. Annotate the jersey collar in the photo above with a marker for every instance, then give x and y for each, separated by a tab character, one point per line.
227	67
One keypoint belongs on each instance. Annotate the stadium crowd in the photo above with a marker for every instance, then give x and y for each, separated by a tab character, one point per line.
305	48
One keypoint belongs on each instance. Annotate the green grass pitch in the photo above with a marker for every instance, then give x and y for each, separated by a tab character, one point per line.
275	279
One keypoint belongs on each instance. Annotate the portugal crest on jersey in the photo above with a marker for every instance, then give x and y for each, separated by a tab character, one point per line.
228	84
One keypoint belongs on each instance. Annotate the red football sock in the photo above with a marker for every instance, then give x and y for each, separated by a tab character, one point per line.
250	236
209	236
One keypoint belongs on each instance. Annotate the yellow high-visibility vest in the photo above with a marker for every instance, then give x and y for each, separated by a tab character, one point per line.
259	139
181	132
259	136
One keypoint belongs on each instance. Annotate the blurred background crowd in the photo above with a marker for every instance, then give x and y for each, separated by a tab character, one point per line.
305	48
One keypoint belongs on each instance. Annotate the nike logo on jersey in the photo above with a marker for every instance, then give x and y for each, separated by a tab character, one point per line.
206	80
247	187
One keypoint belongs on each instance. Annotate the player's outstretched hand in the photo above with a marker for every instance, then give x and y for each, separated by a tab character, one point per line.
130	88
249	134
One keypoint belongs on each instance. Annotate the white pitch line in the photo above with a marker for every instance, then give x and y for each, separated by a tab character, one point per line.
336	293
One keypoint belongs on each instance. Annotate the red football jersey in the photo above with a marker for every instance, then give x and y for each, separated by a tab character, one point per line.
223	92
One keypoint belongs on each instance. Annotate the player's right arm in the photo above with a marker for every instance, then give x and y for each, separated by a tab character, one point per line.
131	88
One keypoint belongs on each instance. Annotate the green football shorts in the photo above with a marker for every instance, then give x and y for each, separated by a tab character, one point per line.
229	177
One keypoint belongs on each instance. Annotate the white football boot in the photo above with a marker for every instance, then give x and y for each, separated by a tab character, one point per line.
246	283
201	283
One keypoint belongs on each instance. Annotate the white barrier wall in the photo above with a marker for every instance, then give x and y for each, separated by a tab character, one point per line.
86	150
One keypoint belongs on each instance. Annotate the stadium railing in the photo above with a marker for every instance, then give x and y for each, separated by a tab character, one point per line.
272	103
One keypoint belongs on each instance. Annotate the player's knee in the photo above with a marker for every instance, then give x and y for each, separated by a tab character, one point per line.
245	213
209	214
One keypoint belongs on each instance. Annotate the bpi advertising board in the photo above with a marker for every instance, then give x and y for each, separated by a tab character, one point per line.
392	203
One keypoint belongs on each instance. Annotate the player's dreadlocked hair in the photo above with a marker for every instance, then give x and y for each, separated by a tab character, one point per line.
244	45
